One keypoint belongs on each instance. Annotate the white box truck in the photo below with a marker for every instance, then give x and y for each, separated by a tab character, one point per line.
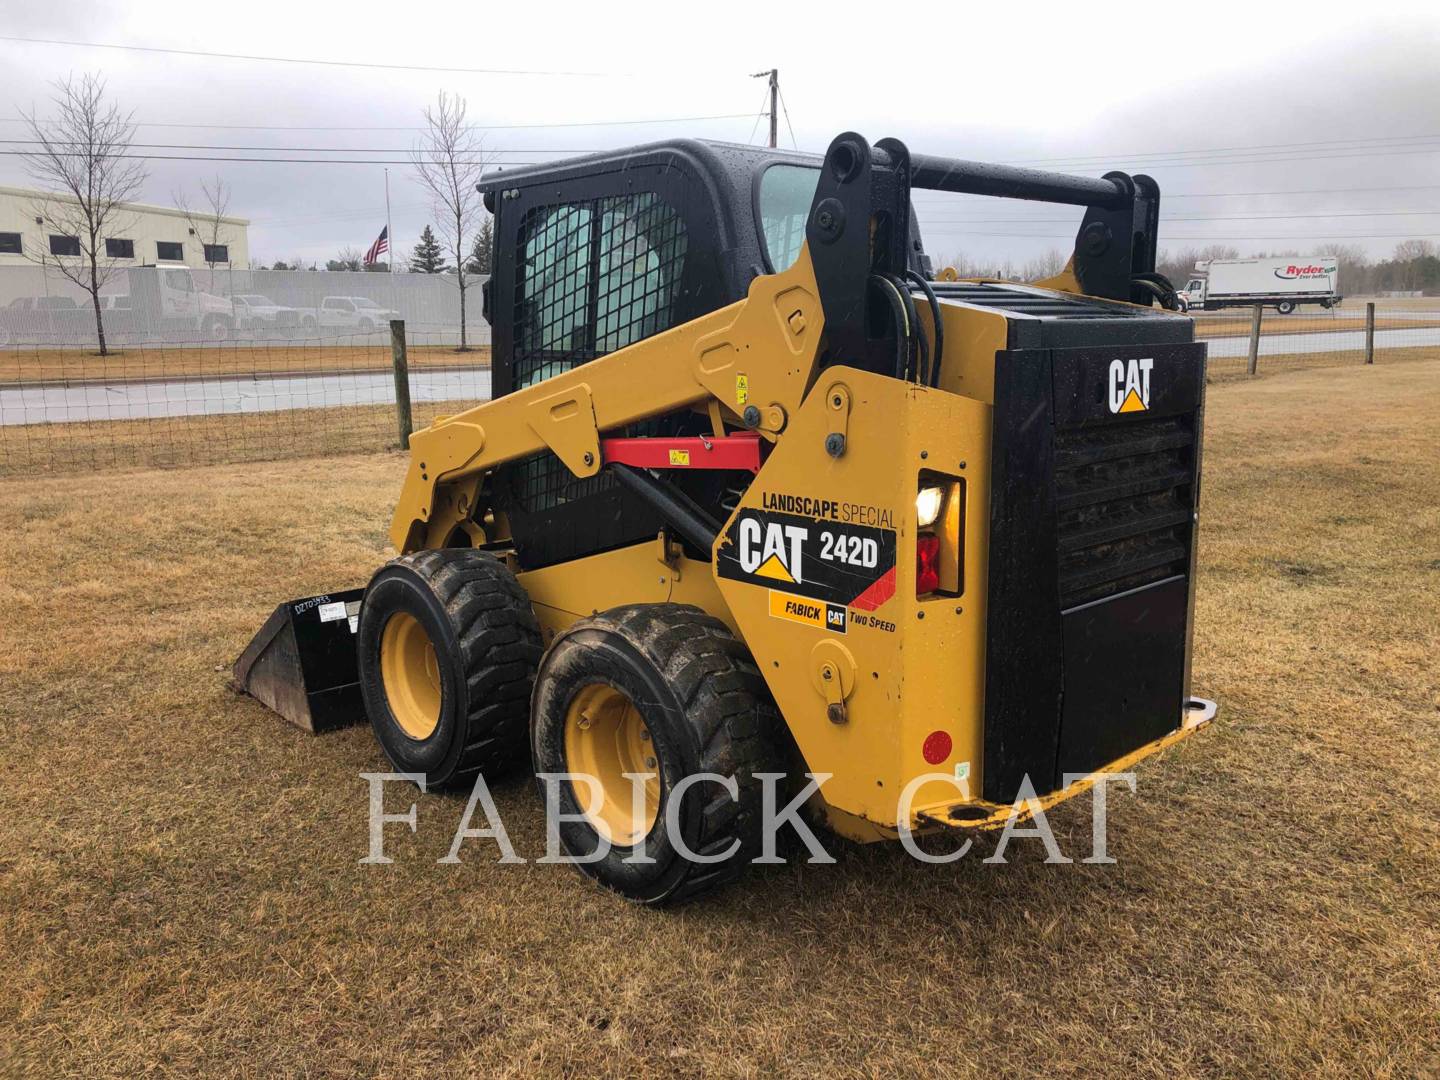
1281	283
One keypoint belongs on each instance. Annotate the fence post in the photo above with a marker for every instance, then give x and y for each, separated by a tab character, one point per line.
402	380
1255	339
1370	332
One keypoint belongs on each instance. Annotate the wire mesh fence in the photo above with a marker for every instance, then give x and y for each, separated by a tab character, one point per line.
1355	333
193	401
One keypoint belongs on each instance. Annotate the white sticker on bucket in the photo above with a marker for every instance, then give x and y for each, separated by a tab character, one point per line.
331	612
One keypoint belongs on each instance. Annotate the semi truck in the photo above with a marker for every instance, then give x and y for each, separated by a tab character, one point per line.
1282	283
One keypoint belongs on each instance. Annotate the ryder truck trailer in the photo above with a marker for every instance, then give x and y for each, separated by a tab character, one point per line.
1282	283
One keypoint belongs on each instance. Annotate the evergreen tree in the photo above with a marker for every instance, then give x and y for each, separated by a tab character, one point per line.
427	258
482	253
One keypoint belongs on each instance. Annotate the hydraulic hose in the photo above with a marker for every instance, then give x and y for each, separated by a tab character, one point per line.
917	360
939	350
902	329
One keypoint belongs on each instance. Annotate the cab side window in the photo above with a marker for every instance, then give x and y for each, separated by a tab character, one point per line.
592	277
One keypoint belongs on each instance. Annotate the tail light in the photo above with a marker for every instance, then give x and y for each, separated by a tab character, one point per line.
927	564
939	543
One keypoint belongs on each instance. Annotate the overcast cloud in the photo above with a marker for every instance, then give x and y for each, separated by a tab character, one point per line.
1160	90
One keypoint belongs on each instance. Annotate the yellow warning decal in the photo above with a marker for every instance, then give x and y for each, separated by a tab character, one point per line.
742	389
814	613
1132	403
679	457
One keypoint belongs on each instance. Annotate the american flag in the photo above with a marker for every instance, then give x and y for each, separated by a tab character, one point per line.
379	247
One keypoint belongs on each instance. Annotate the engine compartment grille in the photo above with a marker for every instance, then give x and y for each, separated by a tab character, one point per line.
1124	501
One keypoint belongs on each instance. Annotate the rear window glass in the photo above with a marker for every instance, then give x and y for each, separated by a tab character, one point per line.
786	192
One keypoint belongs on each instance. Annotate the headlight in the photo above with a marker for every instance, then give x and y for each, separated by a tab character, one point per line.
927	505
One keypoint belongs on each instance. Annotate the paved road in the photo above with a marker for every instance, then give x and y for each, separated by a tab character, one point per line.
124	400
1328	341
223	396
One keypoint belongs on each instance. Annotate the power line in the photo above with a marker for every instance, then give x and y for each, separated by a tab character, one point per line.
421	127
272	160
317	63
1164	220
1262	147
1299	191
289	149
1217	236
786	110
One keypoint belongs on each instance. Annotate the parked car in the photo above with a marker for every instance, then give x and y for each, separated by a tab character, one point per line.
259	313
46	319
358	313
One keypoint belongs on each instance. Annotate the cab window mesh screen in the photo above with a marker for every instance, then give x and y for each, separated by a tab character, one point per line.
593	277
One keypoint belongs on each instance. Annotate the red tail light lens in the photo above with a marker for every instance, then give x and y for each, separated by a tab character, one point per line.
927	564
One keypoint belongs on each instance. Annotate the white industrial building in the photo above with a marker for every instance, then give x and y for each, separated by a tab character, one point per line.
143	235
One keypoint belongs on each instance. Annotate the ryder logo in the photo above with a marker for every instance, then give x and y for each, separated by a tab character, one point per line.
1130	385
1303	272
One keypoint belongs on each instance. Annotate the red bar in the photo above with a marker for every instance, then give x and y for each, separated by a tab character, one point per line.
739	451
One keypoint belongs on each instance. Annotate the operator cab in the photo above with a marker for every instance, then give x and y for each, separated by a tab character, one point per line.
596	253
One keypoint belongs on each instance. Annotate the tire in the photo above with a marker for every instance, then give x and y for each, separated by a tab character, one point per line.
1327	303
448	645
1285	307
366	326
216	330
705	709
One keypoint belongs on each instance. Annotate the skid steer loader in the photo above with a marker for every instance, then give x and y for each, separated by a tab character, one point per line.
760	492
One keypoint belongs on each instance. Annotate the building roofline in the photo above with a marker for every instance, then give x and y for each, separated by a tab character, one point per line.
148	208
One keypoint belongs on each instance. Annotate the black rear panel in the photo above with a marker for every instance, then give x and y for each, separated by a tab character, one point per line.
1095	471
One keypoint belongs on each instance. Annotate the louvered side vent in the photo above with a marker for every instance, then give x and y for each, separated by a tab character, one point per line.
1124	502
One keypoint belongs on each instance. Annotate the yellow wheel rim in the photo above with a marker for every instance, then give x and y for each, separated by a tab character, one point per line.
411	675
606	737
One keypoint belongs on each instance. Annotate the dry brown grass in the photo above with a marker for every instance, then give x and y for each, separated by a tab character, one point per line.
1230	367
26	365
207	440
179	888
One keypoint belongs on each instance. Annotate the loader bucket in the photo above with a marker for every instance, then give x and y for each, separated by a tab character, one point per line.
302	662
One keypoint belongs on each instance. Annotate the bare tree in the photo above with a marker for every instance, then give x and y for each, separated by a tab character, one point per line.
1045	266
450	160
83	154
210	220
348	258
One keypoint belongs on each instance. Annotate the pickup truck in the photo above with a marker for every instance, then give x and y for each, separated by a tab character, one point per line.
357	313
259	314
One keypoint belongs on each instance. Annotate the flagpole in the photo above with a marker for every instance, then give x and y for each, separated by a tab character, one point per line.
389	231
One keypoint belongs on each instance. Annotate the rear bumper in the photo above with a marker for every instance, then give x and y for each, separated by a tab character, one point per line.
981	815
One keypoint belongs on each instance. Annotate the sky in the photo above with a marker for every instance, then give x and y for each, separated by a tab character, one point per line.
1268	129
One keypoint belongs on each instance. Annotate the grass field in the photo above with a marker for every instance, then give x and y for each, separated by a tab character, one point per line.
207	440
22	364
180	891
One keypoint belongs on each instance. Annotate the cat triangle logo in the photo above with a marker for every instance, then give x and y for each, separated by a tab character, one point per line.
774	568
1132	403
1130	385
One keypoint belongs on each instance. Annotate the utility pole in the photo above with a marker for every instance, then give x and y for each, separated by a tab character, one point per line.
774	76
